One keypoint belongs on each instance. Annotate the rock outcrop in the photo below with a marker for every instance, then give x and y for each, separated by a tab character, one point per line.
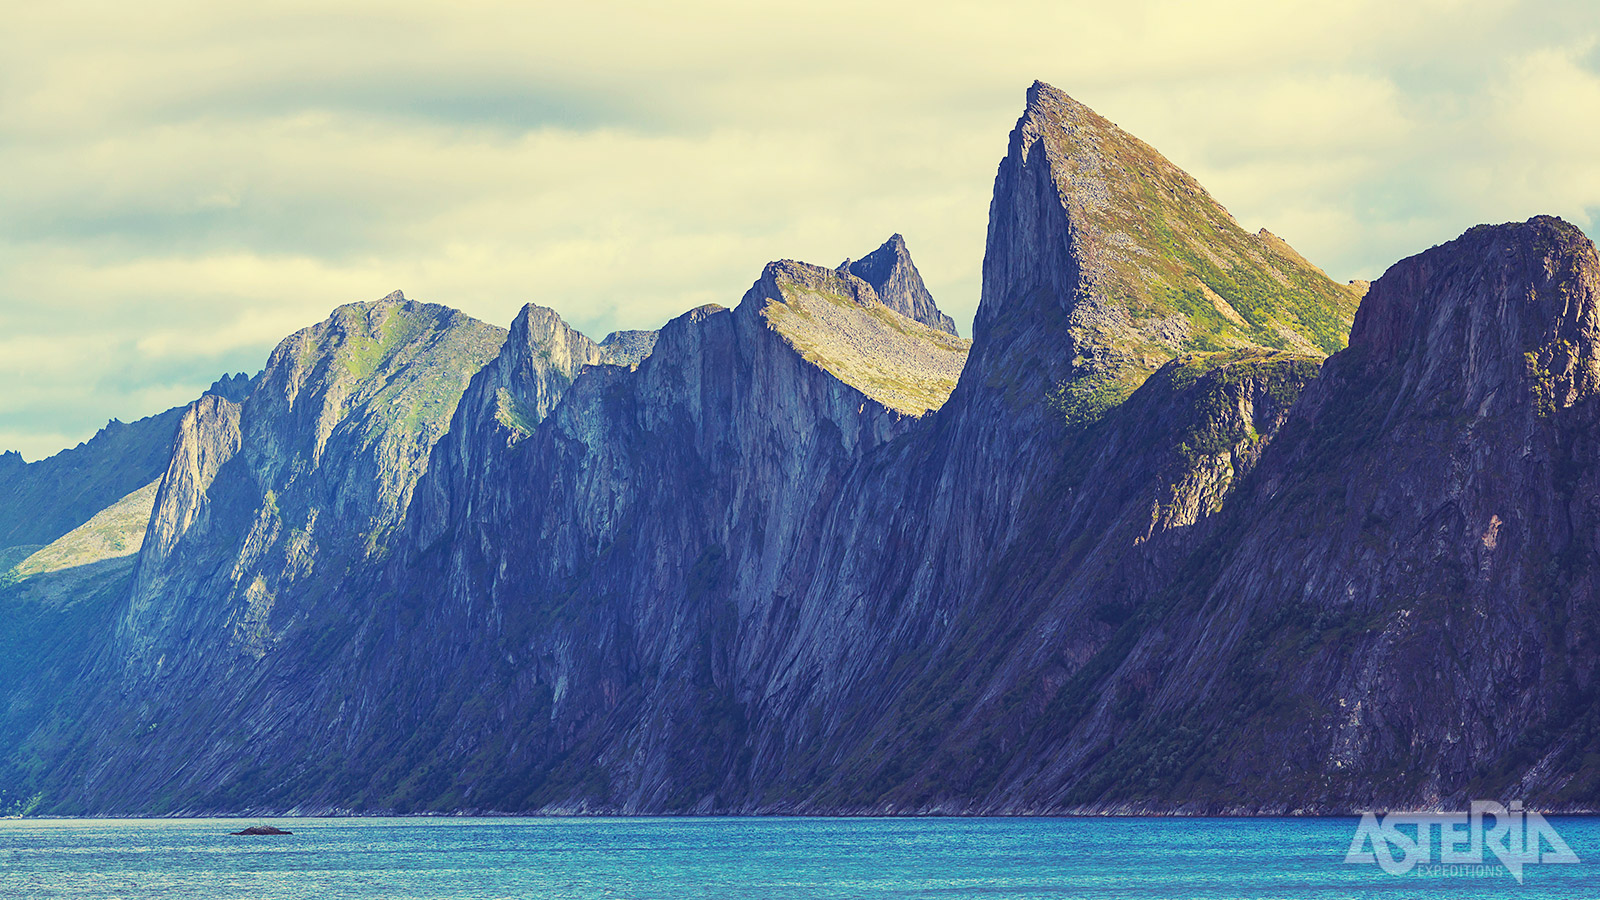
627	348
259	830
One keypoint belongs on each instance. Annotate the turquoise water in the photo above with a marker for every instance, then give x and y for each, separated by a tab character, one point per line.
857	859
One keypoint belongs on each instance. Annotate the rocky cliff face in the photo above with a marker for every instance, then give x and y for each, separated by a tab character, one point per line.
627	348
1126	550
1129	258
1399	608
59	600
271	507
503	404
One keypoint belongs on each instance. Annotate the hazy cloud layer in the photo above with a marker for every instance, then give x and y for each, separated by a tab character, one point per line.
188	183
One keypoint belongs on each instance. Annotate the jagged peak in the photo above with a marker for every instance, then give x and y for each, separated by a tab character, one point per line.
890	253
376	316
1041	90
808	276
233	387
540	356
1049	107
898	284
372	314
539	331
1047	99
361	349
535	322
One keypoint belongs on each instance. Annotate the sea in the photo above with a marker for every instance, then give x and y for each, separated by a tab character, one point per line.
765	858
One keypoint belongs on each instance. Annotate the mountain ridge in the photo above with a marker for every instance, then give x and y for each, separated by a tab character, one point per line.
815	553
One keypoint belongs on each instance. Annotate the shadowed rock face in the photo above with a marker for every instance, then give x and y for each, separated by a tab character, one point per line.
1401	608
1142	556
43	500
503	404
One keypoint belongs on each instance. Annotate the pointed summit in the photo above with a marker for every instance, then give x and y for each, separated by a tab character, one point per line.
1093	229
899	285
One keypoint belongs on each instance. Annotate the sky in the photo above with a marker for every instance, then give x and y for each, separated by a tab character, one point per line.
185	184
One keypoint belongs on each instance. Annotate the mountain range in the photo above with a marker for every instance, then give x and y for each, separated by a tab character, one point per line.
1186	527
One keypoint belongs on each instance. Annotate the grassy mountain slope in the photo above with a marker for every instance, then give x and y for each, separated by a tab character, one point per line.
1162	267
835	320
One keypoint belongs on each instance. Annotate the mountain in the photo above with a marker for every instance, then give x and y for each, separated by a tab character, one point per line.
1154	540
43	501
271	501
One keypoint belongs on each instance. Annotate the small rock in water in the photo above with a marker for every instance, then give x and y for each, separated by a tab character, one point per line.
261	829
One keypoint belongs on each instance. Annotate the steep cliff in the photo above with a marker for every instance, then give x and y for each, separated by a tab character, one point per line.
1130	260
308	474
59	601
504	403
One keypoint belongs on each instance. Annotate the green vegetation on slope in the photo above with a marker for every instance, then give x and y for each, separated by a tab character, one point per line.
116	531
1165	269
386	377
897	361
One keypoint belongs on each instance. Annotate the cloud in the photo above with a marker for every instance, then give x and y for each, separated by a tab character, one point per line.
188	183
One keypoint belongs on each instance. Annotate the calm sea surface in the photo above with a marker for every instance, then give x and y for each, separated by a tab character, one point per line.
736	858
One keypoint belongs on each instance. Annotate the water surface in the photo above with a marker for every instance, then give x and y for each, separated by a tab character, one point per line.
649	858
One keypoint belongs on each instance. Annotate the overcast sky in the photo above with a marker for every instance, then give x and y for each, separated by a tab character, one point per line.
187	183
